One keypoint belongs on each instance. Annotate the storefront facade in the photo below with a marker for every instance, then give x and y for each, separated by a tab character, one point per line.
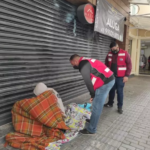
37	39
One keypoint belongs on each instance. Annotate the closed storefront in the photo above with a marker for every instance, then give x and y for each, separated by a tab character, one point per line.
36	40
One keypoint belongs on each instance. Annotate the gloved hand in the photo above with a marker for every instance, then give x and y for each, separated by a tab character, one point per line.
86	106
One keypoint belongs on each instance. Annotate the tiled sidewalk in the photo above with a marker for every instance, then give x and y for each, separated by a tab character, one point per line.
129	131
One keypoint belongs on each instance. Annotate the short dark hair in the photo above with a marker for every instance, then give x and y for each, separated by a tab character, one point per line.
113	44
73	57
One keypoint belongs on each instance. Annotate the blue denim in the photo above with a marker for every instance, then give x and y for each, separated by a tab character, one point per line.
119	86
97	105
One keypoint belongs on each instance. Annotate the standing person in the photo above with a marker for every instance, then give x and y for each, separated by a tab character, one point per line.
149	63
119	62
144	61
99	80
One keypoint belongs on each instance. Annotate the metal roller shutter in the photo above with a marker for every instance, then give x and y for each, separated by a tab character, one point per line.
36	41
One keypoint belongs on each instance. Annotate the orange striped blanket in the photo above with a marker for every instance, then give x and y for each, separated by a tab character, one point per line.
37	122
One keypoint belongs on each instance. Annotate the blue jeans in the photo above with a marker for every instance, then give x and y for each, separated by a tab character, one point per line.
97	105
119	86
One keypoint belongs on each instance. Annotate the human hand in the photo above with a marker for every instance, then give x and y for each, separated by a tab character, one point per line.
91	100
125	79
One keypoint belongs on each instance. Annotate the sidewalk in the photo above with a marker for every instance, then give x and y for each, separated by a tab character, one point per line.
129	131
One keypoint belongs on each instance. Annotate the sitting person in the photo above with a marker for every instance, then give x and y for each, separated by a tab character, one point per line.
41	87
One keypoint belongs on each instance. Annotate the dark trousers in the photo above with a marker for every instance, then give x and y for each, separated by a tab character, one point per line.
149	66
118	86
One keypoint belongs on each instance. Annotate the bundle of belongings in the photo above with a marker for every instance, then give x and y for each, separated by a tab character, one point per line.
43	123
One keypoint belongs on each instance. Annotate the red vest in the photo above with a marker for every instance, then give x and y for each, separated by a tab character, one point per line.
121	62
99	73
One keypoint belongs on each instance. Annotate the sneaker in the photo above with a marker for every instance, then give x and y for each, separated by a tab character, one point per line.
86	132
108	105
88	120
120	111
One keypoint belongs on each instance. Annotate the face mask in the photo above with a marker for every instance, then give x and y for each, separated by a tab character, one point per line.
115	51
75	67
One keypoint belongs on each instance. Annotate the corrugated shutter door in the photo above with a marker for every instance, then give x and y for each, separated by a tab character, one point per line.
36	41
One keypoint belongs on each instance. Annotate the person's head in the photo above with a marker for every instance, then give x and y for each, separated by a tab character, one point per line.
114	47
40	88
74	60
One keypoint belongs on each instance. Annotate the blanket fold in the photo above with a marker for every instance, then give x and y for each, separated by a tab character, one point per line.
37	121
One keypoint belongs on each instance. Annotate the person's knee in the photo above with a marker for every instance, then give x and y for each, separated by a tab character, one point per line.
97	108
120	91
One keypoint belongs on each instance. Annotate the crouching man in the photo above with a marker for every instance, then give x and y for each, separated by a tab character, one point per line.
99	80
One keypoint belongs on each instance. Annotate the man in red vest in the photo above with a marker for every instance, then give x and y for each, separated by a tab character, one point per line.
99	80
119	62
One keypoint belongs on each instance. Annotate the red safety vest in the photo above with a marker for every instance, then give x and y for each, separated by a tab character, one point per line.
99	73
121	62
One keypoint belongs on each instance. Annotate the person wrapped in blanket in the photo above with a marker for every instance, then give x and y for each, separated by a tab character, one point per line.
41	88
37	121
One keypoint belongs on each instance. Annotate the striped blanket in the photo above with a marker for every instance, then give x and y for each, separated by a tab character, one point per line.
37	121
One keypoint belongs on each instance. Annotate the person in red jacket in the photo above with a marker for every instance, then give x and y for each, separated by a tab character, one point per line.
99	80
119	62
